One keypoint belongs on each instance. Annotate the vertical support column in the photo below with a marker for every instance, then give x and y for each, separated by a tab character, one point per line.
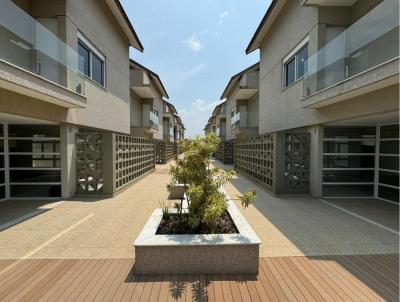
109	163
68	160
316	160
279	162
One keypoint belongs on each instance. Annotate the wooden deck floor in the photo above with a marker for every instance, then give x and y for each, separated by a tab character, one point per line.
322	278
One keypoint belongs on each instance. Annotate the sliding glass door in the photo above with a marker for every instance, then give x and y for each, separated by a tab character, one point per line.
2	165
348	161
361	162
34	161
388	168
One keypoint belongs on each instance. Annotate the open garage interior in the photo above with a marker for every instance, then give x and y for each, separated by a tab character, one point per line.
29	158
361	158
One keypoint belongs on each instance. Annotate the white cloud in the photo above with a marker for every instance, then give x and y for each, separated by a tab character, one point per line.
195	117
223	14
201	105
194	43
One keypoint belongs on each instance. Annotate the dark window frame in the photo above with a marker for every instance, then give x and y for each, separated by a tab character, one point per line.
92	54
294	59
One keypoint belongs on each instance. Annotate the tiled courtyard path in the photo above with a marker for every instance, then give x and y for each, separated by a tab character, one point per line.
305	226
90	228
81	250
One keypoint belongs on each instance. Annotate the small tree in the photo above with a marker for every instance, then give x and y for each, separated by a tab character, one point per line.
206	202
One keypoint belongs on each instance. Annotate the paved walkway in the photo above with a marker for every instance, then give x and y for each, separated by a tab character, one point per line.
81	228
303	226
106	228
81	250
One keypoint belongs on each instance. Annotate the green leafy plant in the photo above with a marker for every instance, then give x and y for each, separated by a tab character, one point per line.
165	207
247	198
203	181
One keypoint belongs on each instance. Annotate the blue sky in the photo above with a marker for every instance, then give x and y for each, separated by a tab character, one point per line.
195	46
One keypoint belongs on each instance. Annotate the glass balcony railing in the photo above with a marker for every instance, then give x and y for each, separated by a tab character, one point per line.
26	43
153	121
369	42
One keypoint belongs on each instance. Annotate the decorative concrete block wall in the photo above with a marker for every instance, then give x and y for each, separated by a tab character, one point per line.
159	151
225	152
255	157
219	154
165	151
109	162
279	161
89	163
169	151
297	162
134	157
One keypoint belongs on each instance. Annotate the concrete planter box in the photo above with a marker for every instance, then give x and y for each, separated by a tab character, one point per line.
176	191
202	254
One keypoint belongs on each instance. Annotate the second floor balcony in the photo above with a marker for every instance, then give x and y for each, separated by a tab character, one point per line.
35	62
361	56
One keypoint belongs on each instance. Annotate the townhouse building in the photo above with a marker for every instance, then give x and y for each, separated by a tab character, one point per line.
180	129
77	116
242	103
328	100
219	123
172	123
220	120
152	116
147	105
210	126
173	131
329	74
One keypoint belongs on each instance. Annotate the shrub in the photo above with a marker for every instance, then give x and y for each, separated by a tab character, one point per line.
206	202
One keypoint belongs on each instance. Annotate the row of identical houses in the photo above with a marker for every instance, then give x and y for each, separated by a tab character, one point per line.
319	113
77	115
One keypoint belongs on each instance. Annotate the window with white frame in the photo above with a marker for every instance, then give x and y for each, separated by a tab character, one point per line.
295	64
91	61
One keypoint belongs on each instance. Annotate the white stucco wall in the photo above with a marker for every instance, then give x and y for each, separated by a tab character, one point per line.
229	107
136	110
253	111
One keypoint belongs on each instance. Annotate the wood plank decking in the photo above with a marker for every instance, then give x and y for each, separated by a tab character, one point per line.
320	278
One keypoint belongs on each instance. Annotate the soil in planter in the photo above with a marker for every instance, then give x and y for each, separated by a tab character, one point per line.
172	226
